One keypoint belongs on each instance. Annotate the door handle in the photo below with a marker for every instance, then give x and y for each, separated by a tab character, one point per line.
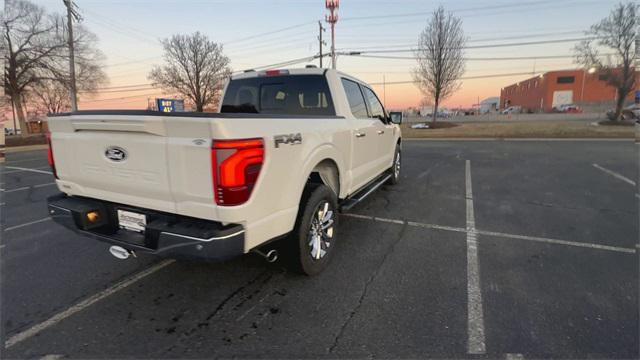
380	132
359	134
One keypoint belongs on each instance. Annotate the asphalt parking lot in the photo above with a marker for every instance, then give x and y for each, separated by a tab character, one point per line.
487	249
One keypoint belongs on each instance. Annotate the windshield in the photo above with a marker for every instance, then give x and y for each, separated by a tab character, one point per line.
291	95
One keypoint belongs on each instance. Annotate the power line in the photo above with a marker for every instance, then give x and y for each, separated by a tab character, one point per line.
123	86
122	32
510	58
462	78
290	62
275	40
124	97
133	61
118	91
416	14
379	24
487	46
119	24
528	36
268	33
293	44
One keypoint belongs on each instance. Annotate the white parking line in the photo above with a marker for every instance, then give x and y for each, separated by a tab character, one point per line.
26	169
514	356
34	330
559	242
437	227
615	175
26	188
27	224
374	218
503	235
475	315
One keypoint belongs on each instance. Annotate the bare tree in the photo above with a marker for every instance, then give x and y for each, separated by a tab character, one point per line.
616	33
440	57
51	97
195	67
34	49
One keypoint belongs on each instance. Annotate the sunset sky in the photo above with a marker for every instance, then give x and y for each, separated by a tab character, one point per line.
252	34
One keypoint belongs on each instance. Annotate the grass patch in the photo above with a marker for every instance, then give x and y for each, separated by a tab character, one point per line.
616	123
529	129
17	140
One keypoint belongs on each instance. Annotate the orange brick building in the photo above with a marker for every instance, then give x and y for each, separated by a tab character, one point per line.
543	93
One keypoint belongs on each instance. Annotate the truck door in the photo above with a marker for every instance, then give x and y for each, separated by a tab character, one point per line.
383	130
364	151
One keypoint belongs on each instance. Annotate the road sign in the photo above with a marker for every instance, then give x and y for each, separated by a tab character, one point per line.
170	105
637	96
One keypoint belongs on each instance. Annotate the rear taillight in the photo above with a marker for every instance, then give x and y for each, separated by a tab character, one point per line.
52	162
235	166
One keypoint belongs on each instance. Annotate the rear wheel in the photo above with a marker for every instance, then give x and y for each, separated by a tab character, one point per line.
313	238
395	168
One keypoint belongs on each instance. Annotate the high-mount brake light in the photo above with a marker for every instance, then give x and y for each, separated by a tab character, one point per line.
275	72
235	166
50	159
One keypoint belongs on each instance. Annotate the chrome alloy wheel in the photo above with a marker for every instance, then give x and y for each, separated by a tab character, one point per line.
321	230
396	166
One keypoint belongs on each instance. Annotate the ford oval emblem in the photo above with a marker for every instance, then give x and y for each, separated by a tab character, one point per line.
115	153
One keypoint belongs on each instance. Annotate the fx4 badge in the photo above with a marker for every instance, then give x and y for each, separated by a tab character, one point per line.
291	139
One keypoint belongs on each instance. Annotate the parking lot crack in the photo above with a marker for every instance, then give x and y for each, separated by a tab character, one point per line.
565	207
365	289
264	275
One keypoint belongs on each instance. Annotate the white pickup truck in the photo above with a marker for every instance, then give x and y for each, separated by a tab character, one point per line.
287	150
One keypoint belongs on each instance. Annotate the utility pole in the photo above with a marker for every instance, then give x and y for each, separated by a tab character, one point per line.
332	18
384	90
322	29
638	48
13	110
72	14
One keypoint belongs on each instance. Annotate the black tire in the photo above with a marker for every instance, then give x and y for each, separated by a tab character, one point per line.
302	242
397	161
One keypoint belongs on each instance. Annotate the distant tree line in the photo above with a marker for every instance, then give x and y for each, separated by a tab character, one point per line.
36	59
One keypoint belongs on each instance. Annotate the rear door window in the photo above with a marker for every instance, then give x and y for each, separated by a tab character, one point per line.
375	107
289	95
355	98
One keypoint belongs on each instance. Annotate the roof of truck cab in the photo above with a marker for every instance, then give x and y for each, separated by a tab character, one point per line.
299	71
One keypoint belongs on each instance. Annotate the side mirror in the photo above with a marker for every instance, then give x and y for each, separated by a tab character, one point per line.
396	117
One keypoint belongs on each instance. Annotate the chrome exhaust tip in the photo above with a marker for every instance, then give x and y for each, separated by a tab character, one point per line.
271	255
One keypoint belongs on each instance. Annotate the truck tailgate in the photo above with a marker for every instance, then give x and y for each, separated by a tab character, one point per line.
117	159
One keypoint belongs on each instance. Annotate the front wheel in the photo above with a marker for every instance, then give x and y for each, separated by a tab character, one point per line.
395	168
313	238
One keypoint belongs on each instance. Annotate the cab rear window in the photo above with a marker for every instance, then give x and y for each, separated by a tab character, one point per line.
289	95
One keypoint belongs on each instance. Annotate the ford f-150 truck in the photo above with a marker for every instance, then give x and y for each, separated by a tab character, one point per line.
287	150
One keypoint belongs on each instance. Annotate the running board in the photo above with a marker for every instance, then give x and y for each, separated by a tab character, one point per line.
356	198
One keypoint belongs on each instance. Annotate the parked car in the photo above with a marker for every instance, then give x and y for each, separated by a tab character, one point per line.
11	131
631	112
512	110
288	150
568	108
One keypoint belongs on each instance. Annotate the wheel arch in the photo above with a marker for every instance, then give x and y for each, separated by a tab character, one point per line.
326	172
